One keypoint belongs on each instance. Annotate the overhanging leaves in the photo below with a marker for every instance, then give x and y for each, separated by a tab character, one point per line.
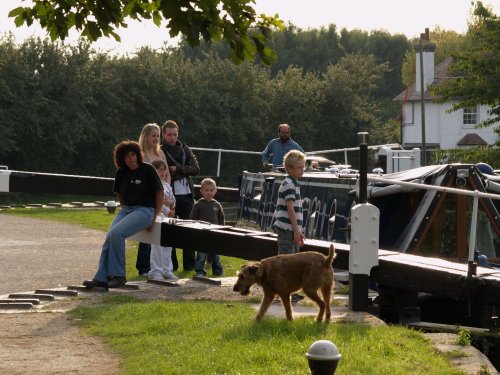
233	21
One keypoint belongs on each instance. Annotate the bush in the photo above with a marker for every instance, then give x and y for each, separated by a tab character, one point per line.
484	154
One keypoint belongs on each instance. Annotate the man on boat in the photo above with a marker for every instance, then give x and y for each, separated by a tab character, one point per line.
278	147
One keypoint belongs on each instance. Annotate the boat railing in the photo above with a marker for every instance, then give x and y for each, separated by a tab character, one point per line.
346	150
475	194
220	151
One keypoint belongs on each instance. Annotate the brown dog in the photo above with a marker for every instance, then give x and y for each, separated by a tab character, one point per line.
283	274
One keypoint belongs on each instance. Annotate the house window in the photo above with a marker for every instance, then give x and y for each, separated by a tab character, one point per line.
408	113
470	116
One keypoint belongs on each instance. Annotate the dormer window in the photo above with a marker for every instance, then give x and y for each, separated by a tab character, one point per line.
470	116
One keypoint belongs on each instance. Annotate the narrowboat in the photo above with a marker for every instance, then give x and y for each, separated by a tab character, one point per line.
413	219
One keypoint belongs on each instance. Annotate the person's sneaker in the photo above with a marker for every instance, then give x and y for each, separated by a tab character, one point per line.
170	276
156	277
90	284
117	282
297	297
218	274
199	274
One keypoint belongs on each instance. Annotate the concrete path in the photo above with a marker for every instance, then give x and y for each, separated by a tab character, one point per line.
37	254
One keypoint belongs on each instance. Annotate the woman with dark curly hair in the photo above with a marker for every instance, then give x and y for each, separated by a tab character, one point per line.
140	193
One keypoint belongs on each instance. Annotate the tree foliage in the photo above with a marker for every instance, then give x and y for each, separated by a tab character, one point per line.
476	69
385	48
484	154
233	21
62	109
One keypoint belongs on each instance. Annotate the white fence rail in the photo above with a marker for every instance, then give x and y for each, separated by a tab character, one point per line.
220	151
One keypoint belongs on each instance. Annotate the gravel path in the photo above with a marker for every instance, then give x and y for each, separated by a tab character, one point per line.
37	254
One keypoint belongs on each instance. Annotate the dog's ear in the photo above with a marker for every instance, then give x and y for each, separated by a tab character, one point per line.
253	268
260	273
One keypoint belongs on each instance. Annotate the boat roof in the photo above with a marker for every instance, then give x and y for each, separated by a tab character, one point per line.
428	175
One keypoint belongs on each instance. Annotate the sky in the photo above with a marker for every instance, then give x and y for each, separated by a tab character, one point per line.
405	17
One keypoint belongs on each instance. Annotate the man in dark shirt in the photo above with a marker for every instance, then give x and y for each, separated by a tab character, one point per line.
183	166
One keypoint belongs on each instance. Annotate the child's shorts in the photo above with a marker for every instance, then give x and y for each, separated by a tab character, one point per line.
285	242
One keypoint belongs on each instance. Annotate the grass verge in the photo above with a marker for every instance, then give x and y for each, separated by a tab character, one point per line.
205	337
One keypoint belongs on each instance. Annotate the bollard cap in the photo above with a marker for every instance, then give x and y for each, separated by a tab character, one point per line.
323	350
110	204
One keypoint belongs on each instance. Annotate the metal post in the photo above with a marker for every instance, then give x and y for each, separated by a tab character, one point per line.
218	162
363	166
472	265
422	101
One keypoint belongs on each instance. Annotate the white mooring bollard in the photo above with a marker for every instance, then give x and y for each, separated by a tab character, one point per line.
363	255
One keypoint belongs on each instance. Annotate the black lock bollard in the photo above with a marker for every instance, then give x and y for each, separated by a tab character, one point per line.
111	206
323	357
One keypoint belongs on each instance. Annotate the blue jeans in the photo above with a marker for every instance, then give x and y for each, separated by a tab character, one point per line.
128	221
201	258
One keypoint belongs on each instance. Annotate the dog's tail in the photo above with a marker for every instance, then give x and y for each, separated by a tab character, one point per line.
331	256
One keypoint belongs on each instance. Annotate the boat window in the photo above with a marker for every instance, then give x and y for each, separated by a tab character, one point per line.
440	239
486	239
449	232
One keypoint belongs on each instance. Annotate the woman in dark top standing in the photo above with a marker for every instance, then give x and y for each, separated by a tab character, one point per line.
140	194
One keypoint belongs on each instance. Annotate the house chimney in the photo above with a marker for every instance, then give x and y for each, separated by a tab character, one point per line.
428	49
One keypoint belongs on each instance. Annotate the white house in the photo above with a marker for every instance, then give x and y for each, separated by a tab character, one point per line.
442	129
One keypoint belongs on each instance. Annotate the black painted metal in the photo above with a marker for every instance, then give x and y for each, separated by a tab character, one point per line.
34	182
358	292
363	170
237	242
52	183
